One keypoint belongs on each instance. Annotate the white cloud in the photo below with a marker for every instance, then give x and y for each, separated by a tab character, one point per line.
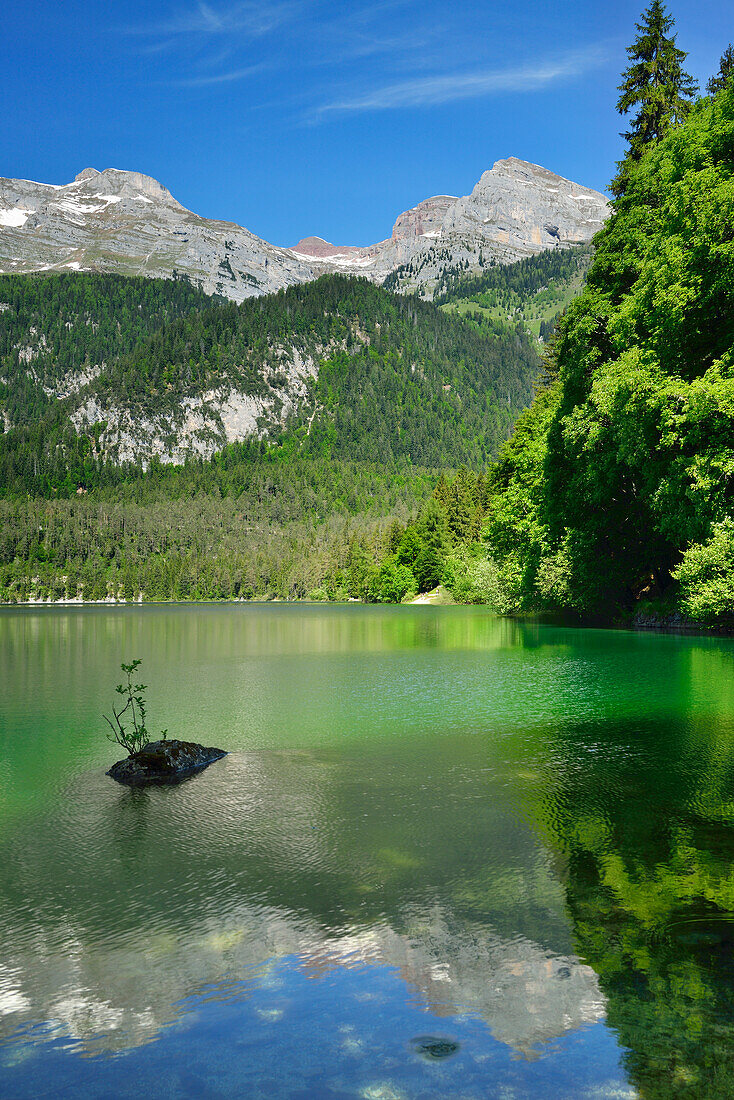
219	78
247	18
430	91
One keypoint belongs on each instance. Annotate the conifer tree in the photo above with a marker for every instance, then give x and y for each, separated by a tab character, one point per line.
725	75
655	83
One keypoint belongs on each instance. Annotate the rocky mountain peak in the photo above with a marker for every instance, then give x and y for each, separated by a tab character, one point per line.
115	220
86	174
423	220
524	171
321	249
124	184
127	222
522	208
514	166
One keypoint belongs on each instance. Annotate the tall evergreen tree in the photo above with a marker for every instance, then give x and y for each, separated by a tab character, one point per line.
655	83
725	75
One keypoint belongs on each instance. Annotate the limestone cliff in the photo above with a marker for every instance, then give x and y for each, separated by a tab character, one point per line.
128	223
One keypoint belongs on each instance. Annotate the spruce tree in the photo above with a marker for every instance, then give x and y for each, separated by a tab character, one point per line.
725	75
656	83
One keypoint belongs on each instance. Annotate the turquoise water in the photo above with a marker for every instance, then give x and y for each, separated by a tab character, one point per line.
436	832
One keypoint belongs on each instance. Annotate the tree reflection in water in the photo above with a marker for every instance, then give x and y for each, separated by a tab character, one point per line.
646	818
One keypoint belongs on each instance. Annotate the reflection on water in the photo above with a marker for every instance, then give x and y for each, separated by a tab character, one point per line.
651	897
512	840
149	895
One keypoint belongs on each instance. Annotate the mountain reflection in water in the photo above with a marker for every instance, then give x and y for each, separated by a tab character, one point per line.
513	843
152	894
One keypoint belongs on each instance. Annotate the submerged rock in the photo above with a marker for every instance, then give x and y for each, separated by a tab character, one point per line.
164	762
434	1047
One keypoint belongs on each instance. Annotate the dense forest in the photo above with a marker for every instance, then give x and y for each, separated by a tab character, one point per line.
58	331
237	528
617	486
397	380
533	291
57	334
339	503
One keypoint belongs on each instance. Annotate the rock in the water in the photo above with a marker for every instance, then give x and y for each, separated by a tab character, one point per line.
434	1047
164	762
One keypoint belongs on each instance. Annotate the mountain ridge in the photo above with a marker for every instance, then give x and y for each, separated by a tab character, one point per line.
126	222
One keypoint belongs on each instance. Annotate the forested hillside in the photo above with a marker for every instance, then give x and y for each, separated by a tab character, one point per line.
57	334
249	526
533	291
350	370
617	486
57	331
317	501
393	378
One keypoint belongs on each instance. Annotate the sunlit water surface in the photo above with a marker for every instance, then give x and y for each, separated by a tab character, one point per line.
448	855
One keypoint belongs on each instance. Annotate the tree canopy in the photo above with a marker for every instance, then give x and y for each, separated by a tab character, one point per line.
618	485
655	84
725	75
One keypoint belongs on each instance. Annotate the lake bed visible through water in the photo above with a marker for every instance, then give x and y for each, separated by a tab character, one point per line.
448	855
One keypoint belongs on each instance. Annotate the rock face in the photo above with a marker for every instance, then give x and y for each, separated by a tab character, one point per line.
164	762
317	248
515	210
524	208
128	223
205	423
423	220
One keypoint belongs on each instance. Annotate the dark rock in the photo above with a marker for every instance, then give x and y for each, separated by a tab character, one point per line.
164	762
434	1047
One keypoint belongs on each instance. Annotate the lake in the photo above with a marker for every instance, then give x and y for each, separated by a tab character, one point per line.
448	855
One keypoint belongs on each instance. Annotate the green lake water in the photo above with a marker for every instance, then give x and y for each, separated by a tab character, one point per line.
448	855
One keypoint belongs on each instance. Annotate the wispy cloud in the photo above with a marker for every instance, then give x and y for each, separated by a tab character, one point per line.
431	91
219	78
245	18
215	44
351	47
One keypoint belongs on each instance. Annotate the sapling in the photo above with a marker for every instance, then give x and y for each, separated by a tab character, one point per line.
132	738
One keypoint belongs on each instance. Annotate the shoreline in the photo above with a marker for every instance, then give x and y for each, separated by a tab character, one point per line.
683	627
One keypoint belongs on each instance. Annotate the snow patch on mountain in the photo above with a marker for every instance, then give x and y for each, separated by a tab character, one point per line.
129	223
15	217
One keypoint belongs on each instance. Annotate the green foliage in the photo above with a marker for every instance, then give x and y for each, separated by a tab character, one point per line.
55	326
471	576
515	531
655	83
393	583
706	576
441	546
134	709
423	546
237	527
533	291
306	530
626	461
56	333
398	382
725	76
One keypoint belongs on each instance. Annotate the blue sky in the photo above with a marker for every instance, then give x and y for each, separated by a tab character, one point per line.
295	117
